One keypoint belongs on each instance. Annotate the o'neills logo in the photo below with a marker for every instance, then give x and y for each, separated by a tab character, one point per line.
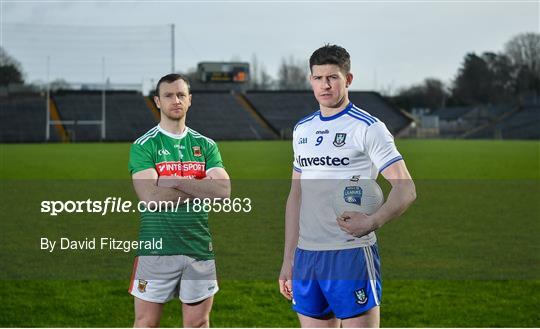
178	168
322	161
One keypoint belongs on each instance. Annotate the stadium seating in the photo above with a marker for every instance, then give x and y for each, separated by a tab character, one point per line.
454	121
127	116
223	115
22	118
79	106
219	115
523	124
468	121
377	106
452	113
283	109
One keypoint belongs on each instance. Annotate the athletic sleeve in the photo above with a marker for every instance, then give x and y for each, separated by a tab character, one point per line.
140	158
379	145
213	157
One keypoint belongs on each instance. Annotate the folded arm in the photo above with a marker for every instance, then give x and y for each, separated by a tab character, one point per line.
401	196
216	184
146	186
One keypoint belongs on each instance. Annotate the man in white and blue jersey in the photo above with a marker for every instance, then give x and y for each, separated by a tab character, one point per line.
331	265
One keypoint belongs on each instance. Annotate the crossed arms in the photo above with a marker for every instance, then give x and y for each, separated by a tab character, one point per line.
150	187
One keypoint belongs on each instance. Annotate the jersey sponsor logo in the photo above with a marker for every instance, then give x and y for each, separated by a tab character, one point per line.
339	139
322	132
163	152
179	168
322	161
361	297
302	140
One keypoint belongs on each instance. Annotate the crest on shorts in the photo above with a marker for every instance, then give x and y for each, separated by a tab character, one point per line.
339	139
361	297
142	285
196	151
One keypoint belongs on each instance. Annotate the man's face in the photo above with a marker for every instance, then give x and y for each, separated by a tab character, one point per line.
329	84
174	99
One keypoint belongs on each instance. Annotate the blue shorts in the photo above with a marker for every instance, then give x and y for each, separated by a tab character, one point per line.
345	282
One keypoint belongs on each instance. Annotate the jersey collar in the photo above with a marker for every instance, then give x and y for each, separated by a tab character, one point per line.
337	115
171	135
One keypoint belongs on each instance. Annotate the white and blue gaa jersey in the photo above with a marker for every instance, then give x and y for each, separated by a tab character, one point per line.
326	150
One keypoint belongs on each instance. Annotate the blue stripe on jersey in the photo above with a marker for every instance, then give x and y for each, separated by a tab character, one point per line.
306	119
356	108
363	114
396	159
360	118
297	169
337	115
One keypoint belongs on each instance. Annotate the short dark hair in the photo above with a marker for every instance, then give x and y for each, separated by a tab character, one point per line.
172	77
331	54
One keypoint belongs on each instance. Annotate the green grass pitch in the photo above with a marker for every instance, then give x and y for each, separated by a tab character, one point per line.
466	254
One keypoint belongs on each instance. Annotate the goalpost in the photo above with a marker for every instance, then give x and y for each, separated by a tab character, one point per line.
102	122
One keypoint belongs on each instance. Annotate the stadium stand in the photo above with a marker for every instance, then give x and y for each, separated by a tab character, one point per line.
22	118
283	109
466	121
224	115
127	115
219	115
522	123
78	106
452	113
452	121
377	106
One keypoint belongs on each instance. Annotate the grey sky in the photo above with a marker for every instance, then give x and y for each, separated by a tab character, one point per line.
392	44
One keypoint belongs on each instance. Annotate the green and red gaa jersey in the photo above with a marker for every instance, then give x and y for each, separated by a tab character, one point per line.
189	154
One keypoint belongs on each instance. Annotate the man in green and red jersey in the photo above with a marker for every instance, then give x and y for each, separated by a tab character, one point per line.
169	162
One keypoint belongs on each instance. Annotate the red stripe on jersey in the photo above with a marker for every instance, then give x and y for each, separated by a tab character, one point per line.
133	274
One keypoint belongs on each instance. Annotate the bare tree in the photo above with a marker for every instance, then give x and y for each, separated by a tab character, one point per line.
10	69
431	93
58	84
292	75
266	80
524	50
524	53
259	77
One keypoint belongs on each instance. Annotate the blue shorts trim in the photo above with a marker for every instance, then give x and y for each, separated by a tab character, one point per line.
345	282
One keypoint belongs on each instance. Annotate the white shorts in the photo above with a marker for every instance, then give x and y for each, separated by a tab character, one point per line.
159	279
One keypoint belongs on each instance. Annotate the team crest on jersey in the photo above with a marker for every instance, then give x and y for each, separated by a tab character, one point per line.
361	297
339	139
142	285
196	151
